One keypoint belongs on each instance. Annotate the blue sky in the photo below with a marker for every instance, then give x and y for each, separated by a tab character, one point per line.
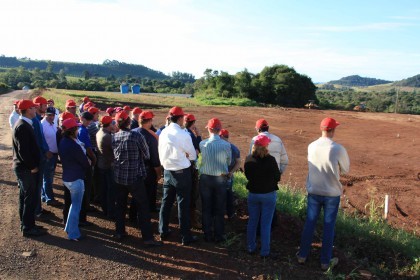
325	40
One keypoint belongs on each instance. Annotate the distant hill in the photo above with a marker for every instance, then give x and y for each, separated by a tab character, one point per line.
409	82
357	81
106	69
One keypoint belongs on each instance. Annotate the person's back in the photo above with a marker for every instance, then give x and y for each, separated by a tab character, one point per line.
262	174
326	159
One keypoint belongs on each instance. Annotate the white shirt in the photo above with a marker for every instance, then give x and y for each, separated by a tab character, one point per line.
13	118
50	134
326	160
26	120
174	145
57	113
275	149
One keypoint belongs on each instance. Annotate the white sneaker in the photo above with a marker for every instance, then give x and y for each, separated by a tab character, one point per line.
333	262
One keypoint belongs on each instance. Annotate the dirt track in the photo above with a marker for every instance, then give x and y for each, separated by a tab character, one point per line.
384	153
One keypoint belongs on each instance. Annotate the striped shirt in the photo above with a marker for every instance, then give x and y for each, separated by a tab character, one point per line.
130	152
216	156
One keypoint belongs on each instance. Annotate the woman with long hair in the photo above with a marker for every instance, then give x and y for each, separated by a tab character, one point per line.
263	174
75	162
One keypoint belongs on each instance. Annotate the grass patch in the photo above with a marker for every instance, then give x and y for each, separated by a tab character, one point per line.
220	101
386	251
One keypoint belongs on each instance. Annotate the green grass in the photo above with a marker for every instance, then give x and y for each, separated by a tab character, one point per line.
389	251
220	101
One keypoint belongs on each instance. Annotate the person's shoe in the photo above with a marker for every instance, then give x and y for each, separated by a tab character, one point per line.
119	236
33	232
165	235
188	241
53	202
300	260
152	243
208	239
80	238
85	224
333	263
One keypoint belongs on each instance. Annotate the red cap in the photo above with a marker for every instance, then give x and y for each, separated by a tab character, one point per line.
50	101
176	111
136	110
214	123
88	105
121	116
106	119
93	110
69	123
15	102
224	133
126	108
261	123
70	103
25	104
110	110
67	115
261	140
147	115
118	109
86	99
328	123
39	100
189	117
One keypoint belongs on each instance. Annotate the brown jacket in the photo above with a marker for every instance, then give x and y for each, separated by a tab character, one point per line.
105	152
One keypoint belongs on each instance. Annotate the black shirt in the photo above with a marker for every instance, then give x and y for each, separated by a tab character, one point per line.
263	174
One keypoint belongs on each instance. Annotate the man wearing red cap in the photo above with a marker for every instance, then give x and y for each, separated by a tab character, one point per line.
46	155
216	156
130	152
105	156
153	167
176	151
82	106
194	132
233	167
57	112
136	118
327	160
71	107
26	159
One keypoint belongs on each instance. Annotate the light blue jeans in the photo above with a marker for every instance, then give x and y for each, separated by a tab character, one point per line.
330	205
47	193
260	205
76	188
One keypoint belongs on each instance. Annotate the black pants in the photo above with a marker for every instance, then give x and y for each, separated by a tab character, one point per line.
27	197
138	192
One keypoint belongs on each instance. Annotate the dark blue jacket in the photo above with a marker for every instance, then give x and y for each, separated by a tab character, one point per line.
73	160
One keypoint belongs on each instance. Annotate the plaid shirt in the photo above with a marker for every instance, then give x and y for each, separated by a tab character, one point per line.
130	152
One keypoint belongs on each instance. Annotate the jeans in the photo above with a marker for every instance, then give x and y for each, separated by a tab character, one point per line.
213	200
330	206
108	191
47	193
138	192
260	206
39	181
77	189
229	198
176	183
27	197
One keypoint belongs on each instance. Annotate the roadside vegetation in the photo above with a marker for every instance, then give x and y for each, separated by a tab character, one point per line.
368	240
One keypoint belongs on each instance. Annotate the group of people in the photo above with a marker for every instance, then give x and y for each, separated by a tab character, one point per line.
106	158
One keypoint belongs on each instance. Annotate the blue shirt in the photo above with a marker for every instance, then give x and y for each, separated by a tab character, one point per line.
216	156
235	154
73	160
83	136
39	135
